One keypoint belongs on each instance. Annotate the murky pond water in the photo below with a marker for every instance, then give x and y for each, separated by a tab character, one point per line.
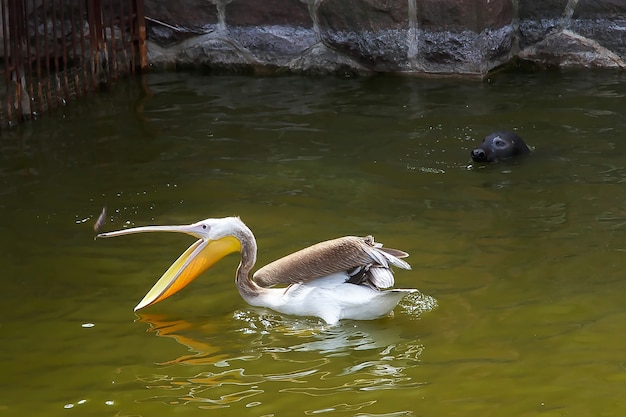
520	265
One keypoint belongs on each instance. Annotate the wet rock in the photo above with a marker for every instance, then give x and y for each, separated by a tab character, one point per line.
461	15
593	9
288	13
166	24
350	37
566	49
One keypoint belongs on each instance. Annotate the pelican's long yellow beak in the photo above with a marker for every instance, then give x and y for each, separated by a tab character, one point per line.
199	257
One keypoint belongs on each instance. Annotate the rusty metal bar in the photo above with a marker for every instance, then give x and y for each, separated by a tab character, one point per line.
56	50
141	28
46	55
94	13
14	62
55	54
83	49
66	82
28	85
133	31
39	96
73	30
5	30
122	25
127	23
6	53
113	54
105	59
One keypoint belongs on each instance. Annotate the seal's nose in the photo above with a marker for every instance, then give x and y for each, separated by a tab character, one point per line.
478	155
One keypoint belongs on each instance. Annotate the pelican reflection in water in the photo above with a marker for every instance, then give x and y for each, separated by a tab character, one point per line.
344	278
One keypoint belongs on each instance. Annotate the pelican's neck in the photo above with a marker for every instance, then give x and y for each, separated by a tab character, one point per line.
247	288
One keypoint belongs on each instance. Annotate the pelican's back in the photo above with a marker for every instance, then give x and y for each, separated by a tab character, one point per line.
350	253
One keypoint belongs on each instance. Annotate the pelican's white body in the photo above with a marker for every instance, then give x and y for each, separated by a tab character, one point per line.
330	298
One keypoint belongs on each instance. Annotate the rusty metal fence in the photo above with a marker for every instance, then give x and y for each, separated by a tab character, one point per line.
57	50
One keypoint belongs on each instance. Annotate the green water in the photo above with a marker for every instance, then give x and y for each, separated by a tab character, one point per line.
520	265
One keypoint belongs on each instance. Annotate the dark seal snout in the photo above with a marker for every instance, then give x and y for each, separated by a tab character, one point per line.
479	155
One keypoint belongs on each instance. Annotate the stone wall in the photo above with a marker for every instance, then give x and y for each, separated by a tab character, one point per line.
468	37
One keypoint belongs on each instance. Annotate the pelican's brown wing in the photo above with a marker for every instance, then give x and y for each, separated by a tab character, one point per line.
361	257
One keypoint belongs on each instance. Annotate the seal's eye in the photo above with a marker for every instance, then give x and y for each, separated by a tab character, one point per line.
499	143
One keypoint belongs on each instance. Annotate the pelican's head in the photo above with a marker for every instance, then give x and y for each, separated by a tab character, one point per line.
216	239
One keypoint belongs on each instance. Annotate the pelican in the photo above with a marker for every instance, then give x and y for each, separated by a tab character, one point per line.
344	278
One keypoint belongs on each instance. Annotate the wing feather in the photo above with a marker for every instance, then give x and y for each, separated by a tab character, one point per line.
346	254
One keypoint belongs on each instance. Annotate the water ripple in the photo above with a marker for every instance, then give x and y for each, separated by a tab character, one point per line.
305	356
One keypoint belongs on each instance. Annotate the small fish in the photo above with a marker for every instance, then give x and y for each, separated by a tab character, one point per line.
101	219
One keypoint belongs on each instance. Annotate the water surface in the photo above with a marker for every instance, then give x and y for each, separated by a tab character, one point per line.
519	265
